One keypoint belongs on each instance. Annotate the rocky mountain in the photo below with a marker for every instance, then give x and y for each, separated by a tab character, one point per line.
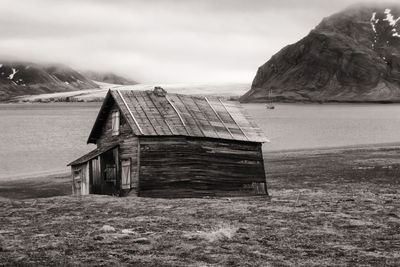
22	78
351	56
108	77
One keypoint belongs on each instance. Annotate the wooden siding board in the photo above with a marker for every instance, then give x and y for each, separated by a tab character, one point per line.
129	150
126	140
105	136
184	166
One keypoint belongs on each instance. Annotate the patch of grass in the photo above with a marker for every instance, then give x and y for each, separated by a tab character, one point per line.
49	186
322	212
217	233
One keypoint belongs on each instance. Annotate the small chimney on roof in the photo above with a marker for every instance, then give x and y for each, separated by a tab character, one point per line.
159	91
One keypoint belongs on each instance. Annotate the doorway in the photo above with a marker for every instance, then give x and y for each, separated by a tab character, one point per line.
104	173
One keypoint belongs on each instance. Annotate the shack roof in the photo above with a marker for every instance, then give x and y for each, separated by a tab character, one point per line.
92	154
157	113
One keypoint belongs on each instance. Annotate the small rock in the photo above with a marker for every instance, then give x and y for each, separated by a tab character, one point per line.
242	230
68	251
131	251
127	231
141	240
108	228
98	237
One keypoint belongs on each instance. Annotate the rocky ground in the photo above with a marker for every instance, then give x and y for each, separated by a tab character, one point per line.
329	207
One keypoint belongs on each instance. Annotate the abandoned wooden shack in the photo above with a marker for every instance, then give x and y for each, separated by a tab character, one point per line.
154	144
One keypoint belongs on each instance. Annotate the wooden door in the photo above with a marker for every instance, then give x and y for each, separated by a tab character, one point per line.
126	174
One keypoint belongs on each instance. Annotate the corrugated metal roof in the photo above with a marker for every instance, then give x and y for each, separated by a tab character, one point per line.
151	114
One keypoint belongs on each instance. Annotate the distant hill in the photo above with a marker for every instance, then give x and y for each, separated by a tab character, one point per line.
351	56
108	77
24	78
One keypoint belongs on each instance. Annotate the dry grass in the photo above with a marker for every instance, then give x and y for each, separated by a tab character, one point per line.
323	210
216	233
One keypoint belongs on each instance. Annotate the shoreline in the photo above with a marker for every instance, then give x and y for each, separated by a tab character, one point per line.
59	184
27	176
266	151
328	148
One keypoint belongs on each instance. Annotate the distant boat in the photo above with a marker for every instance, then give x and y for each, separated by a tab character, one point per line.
270	105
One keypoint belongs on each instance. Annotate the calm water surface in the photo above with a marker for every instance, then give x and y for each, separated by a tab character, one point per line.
44	138
299	126
40	138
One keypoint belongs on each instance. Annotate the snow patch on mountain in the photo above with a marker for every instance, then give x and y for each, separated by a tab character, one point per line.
374	21
387	17
11	76
390	18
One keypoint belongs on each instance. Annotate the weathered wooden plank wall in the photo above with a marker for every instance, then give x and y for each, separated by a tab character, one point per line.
106	138
80	183
190	167
128	143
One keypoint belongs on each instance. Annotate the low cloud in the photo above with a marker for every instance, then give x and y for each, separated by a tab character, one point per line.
159	41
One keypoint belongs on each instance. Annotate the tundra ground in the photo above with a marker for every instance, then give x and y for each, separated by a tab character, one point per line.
326	207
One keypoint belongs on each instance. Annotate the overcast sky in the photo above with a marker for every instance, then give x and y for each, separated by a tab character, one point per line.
159	40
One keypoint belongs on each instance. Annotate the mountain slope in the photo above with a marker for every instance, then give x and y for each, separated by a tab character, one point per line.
21	78
351	56
108	77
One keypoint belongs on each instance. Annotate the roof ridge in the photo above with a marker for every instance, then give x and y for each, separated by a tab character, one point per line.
168	93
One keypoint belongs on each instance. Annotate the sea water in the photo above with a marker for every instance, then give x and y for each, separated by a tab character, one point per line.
37	139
